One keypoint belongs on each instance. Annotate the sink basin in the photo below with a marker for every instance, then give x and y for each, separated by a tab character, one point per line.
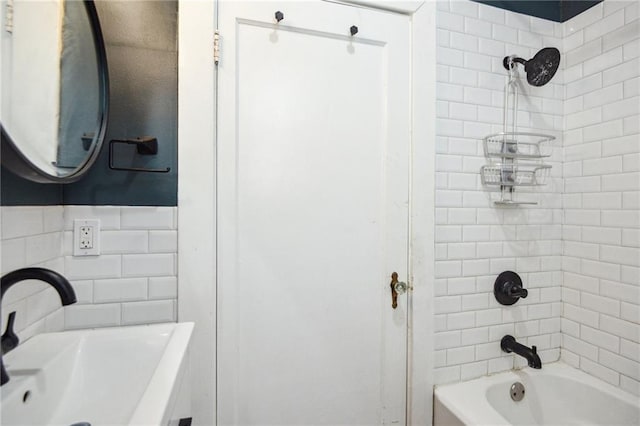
124	375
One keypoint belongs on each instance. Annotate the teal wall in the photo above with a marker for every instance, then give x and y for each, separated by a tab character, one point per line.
554	10
15	191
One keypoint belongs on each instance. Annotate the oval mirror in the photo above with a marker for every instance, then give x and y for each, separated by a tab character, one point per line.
54	88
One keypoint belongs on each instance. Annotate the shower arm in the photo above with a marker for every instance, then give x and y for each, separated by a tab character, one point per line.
509	62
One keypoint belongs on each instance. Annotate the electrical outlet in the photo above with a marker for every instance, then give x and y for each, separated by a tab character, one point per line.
86	237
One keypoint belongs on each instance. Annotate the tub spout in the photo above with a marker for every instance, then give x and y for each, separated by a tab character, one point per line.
54	279
509	344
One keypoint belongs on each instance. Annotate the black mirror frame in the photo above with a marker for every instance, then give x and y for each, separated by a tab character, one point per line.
14	160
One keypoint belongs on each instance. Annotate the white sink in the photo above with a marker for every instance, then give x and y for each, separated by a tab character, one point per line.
115	376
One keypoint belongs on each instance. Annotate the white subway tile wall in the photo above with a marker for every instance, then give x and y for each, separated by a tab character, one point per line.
133	281
600	325
475	241
32	236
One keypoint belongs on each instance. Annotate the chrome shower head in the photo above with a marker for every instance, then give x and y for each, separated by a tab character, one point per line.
540	69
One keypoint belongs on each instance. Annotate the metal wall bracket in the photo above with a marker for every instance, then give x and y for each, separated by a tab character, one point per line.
145	145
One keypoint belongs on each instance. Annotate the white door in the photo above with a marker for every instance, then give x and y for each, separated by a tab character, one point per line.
313	154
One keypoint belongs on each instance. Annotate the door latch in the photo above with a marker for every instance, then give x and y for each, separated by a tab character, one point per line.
397	287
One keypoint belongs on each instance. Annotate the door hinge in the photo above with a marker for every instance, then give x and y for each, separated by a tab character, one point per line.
216	47
8	25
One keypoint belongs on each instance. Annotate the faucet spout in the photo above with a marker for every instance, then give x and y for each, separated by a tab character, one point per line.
509	344
57	281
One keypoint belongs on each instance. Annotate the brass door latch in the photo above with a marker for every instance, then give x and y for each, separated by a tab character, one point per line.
397	287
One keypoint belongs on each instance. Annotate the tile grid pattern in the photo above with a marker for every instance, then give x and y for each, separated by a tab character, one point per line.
32	236
133	281
601	233
475	240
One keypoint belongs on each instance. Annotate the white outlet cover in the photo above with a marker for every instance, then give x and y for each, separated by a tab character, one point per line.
78	235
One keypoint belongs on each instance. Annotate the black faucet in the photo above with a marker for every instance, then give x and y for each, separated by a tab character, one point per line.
57	281
10	338
509	344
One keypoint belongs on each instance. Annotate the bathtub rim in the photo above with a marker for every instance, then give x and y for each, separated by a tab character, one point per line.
450	395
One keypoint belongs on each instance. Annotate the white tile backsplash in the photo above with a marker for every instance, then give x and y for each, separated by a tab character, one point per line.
163	288
109	216
90	316
32	236
163	241
53	217
13	254
43	247
84	291
137	243
87	267
148	312
148	265
22	221
41	304
120	290
147	218
121	241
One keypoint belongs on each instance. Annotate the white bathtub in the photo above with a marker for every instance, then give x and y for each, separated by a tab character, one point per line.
555	395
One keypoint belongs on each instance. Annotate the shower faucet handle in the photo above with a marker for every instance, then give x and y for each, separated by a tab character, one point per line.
516	291
508	288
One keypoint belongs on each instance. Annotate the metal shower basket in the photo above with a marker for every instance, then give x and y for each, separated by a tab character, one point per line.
507	150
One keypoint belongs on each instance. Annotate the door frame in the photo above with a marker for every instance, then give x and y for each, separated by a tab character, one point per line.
197	200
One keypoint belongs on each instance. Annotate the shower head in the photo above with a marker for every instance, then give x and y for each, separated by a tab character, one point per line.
540	69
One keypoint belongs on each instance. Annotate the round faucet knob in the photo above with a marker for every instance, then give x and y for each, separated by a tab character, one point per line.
508	288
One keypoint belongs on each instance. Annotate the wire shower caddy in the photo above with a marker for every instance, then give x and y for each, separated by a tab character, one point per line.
515	158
